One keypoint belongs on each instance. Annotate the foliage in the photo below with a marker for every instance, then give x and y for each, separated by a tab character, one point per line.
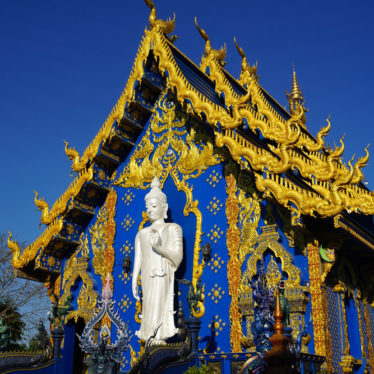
22	302
40	340
199	370
13	320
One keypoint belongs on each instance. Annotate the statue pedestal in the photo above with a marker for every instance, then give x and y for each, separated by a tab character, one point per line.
193	324
57	335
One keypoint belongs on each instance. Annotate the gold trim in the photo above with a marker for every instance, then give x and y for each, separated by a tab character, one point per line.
76	267
338	223
369	334
233	264
60	205
322	343
20	259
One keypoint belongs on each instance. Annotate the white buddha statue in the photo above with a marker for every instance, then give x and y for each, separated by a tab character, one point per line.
158	253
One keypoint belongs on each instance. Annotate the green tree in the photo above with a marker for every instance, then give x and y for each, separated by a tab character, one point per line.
13	320
40	340
199	370
22	301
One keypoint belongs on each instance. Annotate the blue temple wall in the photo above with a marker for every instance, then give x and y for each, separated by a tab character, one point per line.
209	190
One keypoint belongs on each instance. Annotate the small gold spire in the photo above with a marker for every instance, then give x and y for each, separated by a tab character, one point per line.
296	93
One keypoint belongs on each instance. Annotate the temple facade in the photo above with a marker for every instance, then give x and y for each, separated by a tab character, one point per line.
262	202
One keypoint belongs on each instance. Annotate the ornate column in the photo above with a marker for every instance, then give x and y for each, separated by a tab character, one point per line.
347	362
322	340
369	334
233	264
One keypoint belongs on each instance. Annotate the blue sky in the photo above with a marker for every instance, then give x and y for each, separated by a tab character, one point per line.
64	64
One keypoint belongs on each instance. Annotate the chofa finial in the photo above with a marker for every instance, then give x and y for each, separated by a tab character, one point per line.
166	27
219	55
246	68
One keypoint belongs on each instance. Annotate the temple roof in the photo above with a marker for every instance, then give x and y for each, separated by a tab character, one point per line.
287	162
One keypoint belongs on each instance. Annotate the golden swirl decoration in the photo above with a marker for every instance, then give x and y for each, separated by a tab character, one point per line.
233	264
60	205
249	216
76	267
21	259
318	298
98	243
165	27
269	239
174	156
294	292
138	307
102	238
110	231
369	333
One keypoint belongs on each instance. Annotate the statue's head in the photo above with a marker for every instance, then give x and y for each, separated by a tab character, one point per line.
156	202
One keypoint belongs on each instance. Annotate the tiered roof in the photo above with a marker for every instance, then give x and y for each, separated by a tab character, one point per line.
275	146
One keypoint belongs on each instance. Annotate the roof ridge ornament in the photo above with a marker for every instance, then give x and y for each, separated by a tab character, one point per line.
73	155
218	54
42	206
166	27
296	92
296	98
247	69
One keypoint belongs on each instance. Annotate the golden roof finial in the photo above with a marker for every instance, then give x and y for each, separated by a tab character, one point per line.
166	27
296	93
219	55
246	68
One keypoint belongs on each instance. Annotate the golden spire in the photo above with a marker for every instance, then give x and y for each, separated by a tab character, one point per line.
296	99
296	93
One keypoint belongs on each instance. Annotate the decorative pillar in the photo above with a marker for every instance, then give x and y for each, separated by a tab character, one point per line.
193	324
233	264
362	328
322	340
279	358
57	335
369	334
347	361
110	232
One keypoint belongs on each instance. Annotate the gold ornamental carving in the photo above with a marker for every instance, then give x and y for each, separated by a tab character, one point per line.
102	237
21	259
369	333
167	149
233	264
60	205
322	340
249	217
295	293
76	267
330	186
98	243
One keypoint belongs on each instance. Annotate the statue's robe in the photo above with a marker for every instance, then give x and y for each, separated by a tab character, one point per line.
157	280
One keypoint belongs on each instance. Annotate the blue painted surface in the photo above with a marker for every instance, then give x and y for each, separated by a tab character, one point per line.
208	188
50	369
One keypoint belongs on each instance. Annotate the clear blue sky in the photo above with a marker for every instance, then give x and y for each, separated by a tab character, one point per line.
64	64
